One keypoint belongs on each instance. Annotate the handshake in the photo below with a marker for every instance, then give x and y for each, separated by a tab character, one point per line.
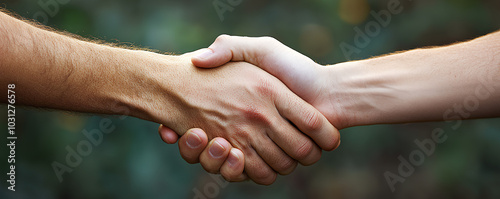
260	124
263	106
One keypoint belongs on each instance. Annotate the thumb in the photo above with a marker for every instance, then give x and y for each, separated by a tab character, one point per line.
211	58
229	48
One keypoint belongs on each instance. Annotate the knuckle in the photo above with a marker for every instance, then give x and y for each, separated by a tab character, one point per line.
241	137
254	113
287	166
223	38
264	87
241	140
304	150
313	158
313	121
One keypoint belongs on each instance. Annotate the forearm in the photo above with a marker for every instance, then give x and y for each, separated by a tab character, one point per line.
460	81
55	71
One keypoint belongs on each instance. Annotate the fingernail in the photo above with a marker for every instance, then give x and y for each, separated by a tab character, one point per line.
193	140
216	149
233	159
205	53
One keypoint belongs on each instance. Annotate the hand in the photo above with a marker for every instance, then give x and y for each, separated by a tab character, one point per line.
243	104
193	148
300	73
250	108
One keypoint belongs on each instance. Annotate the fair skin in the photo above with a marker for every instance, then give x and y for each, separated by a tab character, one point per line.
456	82
238	105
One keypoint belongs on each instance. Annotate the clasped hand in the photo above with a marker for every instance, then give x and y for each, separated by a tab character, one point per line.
256	125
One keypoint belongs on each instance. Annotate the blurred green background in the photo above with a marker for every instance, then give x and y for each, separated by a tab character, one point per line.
133	162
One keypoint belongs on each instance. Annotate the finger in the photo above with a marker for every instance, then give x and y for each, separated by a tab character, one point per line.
233	167
256	169
232	48
215	155
192	144
167	135
308	120
275	157
293	142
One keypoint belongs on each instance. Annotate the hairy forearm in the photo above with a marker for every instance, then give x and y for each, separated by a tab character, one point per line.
460	81
52	70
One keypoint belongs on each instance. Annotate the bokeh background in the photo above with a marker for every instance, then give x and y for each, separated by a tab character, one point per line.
132	162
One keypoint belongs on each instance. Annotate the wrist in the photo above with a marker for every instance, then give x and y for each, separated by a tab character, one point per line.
338	84
359	93
132	82
150	86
